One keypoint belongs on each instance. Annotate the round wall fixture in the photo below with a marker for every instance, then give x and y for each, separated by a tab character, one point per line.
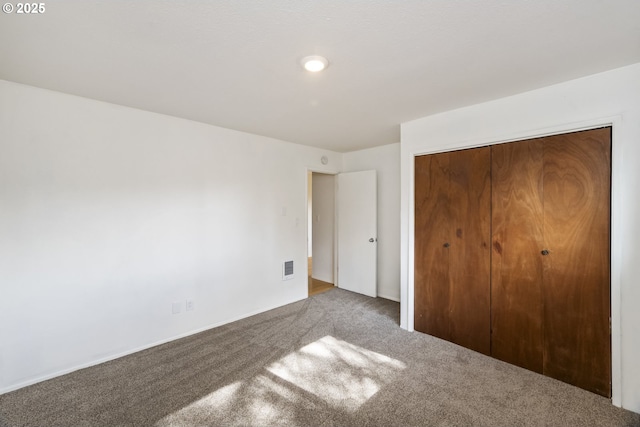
324	160
314	63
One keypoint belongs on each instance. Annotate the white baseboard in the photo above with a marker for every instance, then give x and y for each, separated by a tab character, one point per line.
396	299
135	350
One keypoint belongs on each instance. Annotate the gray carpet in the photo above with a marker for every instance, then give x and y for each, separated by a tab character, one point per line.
335	359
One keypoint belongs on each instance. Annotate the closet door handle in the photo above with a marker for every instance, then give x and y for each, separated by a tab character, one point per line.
446	245
544	252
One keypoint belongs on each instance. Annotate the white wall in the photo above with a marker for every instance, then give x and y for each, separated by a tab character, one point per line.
607	98
109	214
386	161
323	226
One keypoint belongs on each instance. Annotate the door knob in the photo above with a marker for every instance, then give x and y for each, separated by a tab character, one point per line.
544	252
446	245
372	240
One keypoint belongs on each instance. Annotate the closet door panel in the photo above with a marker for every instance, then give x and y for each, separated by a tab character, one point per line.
577	172
469	253
516	264
432	296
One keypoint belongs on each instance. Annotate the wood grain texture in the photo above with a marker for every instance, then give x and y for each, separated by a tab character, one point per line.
452	255
516	267
469	253
577	173
431	289
538	295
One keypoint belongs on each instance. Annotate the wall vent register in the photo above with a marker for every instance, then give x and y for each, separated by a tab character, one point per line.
287	270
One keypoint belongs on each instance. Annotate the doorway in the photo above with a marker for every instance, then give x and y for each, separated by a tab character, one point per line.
321	232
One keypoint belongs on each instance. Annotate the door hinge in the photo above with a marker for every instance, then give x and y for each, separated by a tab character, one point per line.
609	325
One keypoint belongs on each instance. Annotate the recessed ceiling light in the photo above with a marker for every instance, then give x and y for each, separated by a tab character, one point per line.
314	63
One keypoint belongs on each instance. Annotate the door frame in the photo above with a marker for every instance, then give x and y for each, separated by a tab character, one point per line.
311	170
407	273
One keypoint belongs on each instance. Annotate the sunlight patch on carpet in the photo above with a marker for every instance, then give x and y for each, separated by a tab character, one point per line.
257	401
342	374
326	372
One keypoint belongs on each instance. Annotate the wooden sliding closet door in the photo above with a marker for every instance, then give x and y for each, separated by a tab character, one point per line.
431	290
576	286
516	266
550	292
452	254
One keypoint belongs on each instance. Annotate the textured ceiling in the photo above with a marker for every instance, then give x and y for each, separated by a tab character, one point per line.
235	63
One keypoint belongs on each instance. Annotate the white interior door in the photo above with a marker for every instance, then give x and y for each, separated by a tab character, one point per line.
357	232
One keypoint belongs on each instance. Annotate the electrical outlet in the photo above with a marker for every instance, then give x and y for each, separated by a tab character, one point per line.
190	305
176	308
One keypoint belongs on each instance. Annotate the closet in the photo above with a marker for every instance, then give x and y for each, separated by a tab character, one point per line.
512	247
453	231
